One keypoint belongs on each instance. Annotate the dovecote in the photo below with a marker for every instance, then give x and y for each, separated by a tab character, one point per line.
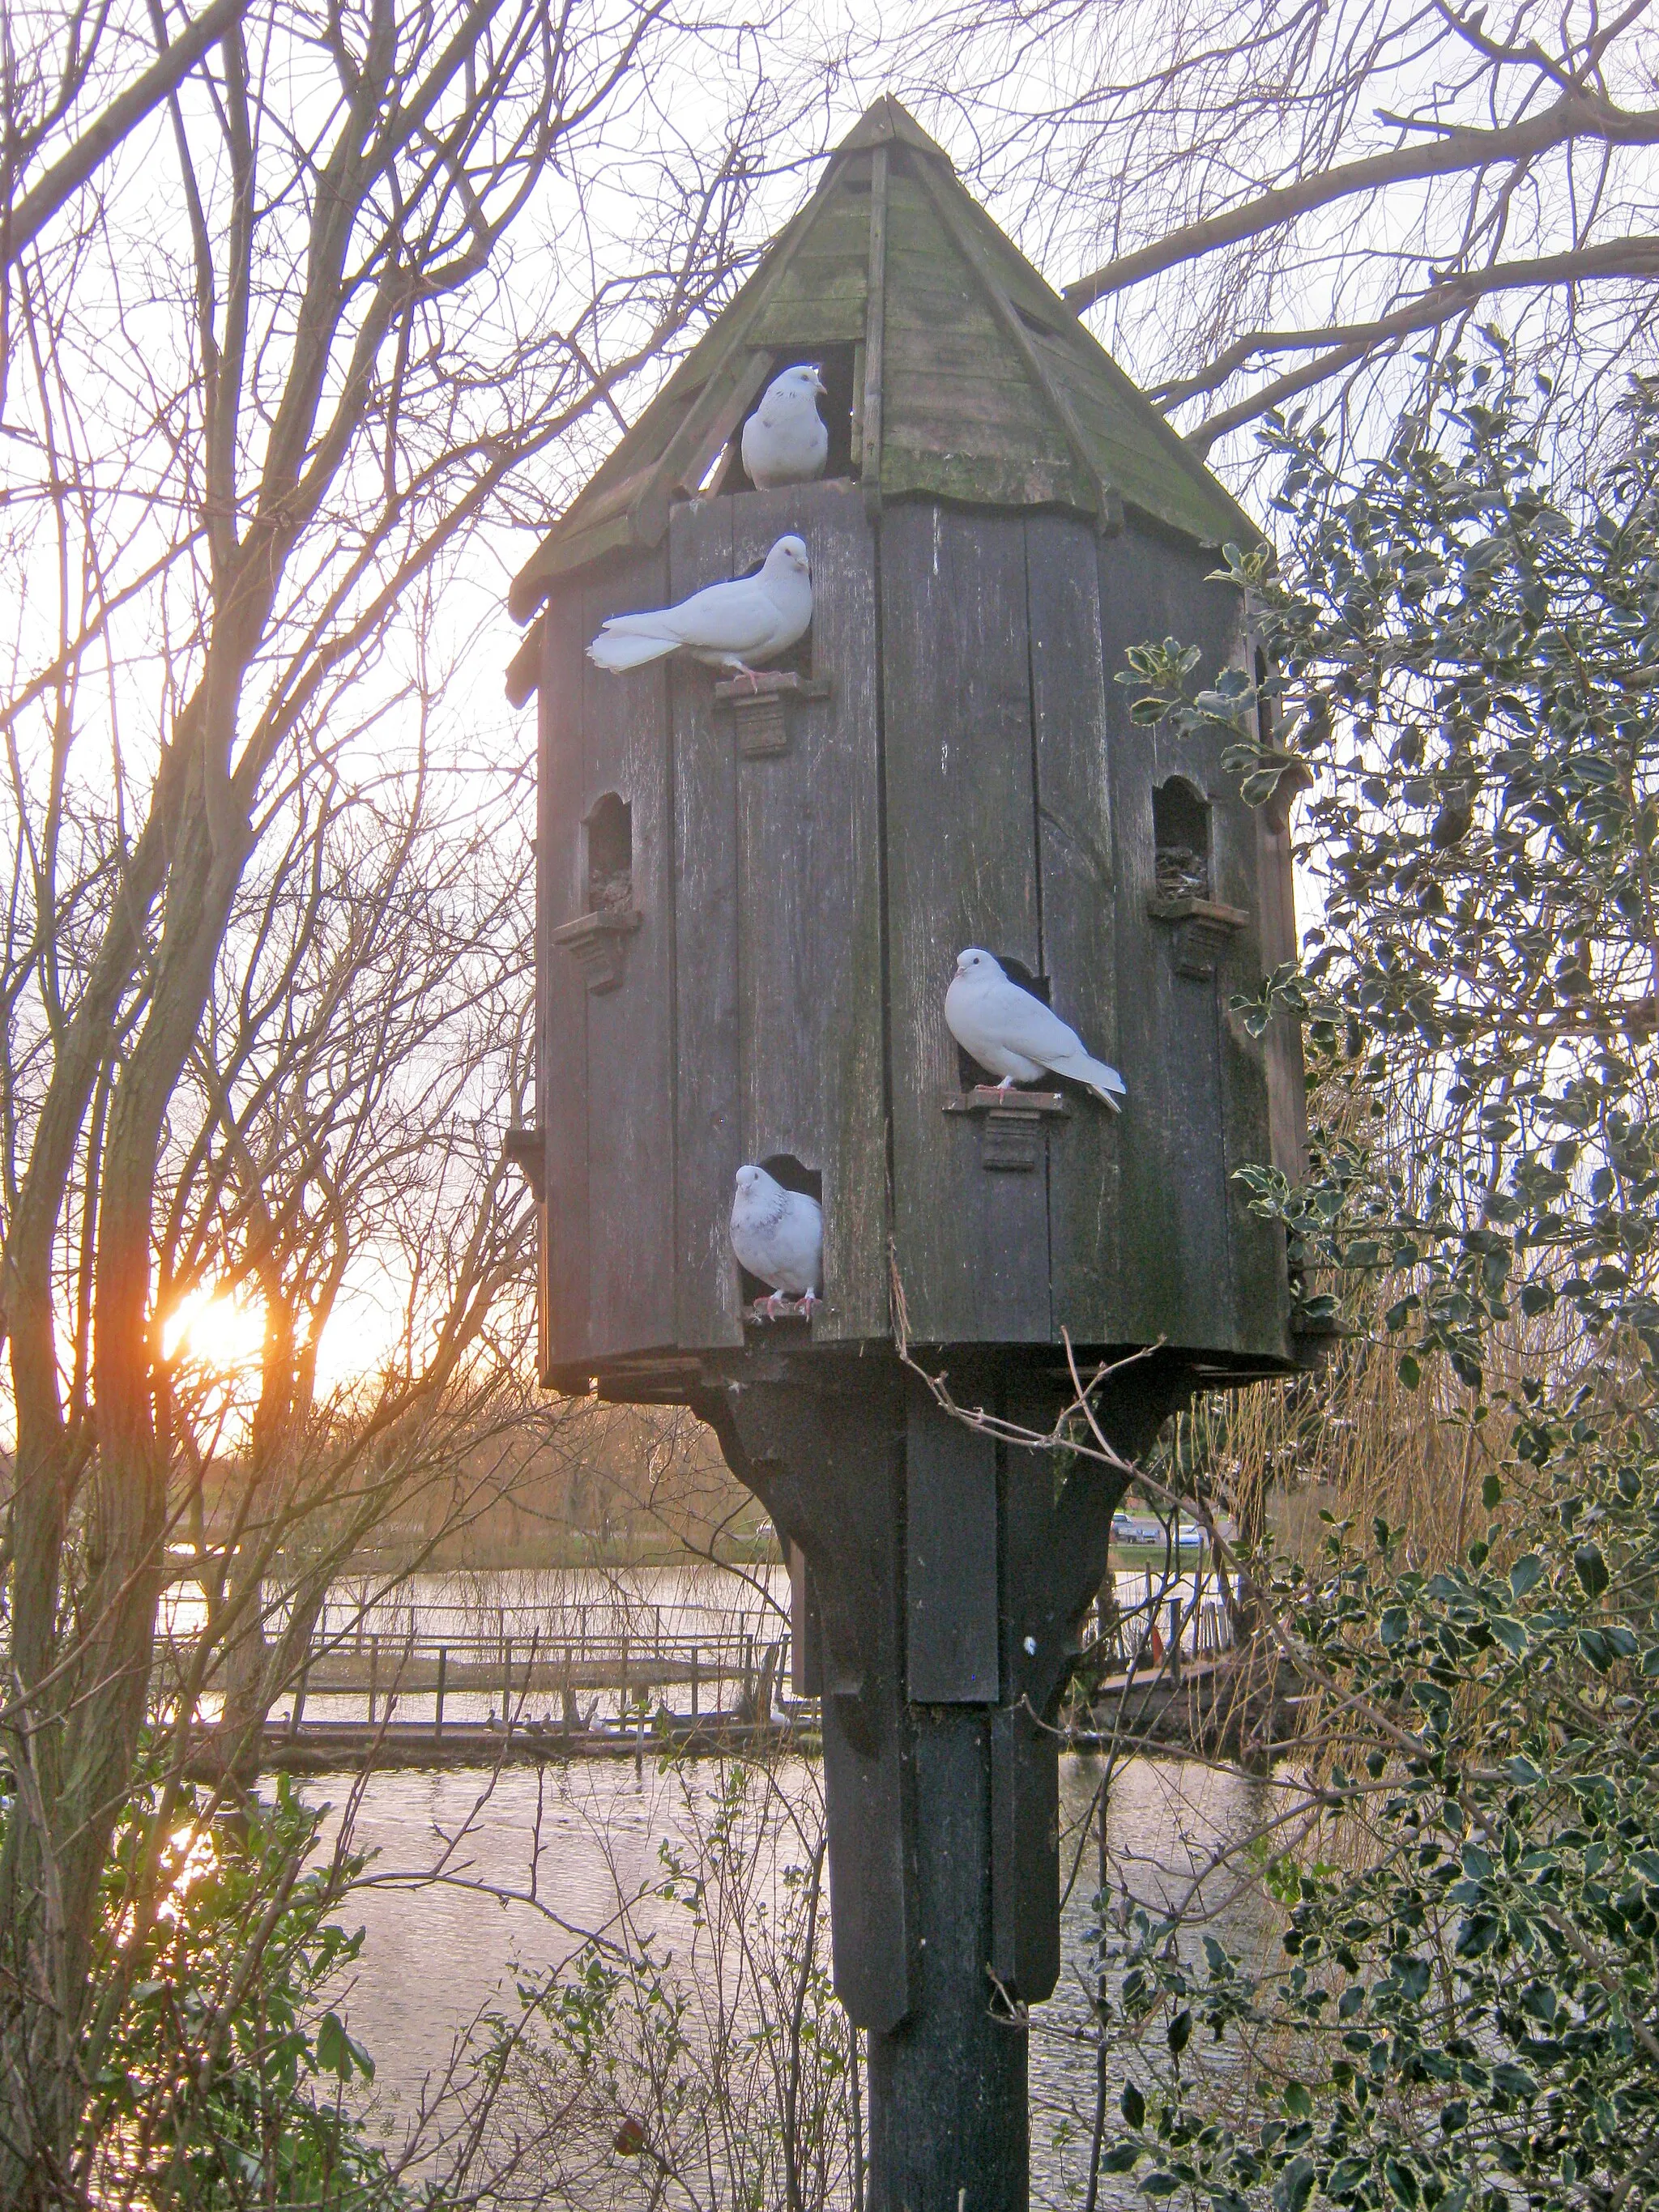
752	896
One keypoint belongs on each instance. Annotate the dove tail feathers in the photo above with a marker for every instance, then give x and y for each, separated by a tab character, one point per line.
617	649
1105	1083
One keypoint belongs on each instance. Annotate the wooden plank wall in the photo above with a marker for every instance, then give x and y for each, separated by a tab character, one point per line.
562	1039
630	1045
708	1135
607	1058
1194	1267
1287	1088
972	1246
1017	799
1070	685
809	908
779	1027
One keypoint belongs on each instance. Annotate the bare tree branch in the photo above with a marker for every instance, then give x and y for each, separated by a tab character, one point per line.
22	221
1574	118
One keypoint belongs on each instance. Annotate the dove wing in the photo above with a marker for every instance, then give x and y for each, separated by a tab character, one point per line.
1025	1025
734	617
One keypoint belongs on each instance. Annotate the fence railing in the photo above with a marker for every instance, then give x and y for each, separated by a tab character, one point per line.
1151	1620
537	1680
568	1674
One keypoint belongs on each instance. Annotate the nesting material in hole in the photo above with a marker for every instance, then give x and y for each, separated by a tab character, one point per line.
598	939
609	826
1181	838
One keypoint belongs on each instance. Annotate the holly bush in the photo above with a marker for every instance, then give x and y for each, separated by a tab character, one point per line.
1458	2003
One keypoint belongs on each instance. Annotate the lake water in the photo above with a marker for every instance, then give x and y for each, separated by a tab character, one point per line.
475	1879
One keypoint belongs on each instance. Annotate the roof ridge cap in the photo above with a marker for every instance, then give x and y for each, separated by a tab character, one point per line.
888	122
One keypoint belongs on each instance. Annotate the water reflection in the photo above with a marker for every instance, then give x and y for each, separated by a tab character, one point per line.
582	1836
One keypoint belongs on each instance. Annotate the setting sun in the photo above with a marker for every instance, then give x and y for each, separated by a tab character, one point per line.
214	1331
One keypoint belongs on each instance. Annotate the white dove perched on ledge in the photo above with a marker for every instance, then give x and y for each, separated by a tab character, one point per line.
1008	1030
723	625
784	440
777	1236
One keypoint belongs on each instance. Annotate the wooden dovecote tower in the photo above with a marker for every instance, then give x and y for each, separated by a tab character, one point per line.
750	899
750	907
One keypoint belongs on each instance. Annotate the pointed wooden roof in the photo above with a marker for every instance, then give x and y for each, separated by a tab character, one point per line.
974	381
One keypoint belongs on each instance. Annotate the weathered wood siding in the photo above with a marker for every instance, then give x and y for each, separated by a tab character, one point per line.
999	828
1195	1266
707	1129
810	948
785	993
1019	802
972	1246
606	1064
779	985
1071	688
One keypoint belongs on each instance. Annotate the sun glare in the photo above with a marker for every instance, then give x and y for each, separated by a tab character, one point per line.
214	1331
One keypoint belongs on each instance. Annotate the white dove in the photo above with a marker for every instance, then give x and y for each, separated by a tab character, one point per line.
1008	1030
777	1236
784	440
723	625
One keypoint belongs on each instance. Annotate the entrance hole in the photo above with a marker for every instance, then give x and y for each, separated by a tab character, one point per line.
609	826
784	1168
835	365
1181	838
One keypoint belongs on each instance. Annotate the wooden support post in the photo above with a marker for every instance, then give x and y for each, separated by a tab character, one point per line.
438	1702
1175	1639
941	1771
948	2097
373	1674
694	1684
507	1685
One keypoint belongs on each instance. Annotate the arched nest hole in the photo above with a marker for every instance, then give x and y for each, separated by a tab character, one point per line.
969	1071
784	1168
609	823
1181	840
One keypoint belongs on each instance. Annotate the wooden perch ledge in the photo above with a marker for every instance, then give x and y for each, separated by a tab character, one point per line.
758	705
